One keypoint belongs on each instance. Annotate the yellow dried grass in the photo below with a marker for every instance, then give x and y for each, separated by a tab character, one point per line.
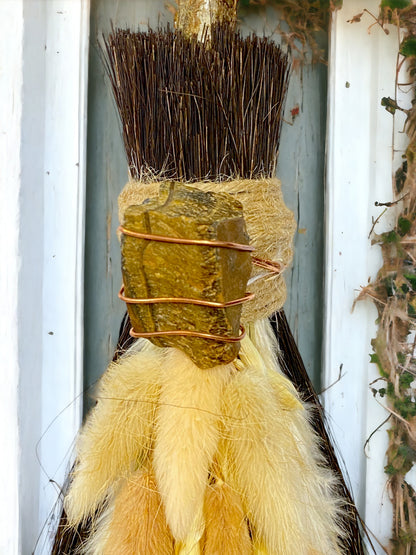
270	455
263	356
187	436
260	549
138	525
226	528
191	544
117	436
246	415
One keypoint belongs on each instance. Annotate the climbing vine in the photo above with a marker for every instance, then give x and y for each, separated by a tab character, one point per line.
301	23
394	294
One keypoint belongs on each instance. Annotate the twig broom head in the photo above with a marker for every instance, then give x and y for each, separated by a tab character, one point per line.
198	109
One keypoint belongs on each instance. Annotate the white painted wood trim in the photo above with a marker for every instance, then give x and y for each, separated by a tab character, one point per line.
359	172
43	97
63	247
11	43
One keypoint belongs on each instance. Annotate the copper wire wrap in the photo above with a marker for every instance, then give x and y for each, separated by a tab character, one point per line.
181	241
189	333
269	265
184	300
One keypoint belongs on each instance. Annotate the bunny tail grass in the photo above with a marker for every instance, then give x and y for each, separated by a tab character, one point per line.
192	545
187	436
136	522
260	550
226	528
270	455
117	436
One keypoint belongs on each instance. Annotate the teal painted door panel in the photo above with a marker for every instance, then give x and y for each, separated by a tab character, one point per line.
301	169
106	176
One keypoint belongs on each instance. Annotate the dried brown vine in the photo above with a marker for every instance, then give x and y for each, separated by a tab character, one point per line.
301	23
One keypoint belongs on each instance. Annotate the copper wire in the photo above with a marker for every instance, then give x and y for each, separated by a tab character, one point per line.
182	241
190	333
275	267
270	265
184	300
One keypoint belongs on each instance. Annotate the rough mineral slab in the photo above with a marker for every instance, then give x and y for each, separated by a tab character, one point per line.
153	269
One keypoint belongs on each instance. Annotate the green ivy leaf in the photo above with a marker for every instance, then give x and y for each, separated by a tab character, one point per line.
390	470
401	358
327	3
404	225
405	380
411	278
390	237
411	307
408	47
400	178
396	4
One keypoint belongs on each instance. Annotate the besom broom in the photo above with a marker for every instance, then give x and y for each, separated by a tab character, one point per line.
207	113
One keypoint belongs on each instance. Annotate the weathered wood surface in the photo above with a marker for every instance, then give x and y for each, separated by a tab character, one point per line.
106	176
154	269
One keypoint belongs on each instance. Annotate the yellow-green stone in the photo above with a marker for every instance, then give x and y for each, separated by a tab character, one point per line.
154	269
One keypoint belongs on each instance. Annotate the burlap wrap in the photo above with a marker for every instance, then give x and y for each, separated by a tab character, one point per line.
270	225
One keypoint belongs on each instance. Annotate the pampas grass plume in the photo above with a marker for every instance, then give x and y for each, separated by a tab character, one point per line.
226	529
117	436
259	549
269	454
138	525
191	545
187	437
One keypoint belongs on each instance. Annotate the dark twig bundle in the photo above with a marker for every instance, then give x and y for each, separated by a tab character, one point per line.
193	110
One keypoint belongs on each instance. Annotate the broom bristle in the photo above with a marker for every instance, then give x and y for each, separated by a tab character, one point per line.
210	110
194	110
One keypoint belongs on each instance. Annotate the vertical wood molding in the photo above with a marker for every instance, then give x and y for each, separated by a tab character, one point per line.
11	74
66	79
44	49
359	172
